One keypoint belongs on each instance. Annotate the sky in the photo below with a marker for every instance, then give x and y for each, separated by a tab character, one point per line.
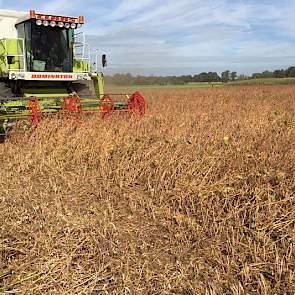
175	37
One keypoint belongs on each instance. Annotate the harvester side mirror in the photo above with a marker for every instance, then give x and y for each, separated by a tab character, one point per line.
104	60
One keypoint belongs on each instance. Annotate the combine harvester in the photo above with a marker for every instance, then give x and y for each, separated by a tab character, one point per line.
46	67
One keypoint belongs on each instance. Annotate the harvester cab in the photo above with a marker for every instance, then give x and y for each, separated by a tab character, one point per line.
46	66
40	55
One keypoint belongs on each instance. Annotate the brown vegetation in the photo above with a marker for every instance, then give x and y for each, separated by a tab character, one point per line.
196	198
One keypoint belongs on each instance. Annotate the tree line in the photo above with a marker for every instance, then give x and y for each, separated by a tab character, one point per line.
205	77
210	77
283	73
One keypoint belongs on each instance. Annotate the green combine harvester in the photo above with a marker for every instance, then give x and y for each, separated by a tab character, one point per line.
46	67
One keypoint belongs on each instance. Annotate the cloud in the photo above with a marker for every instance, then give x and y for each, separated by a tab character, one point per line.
148	36
130	7
238	34
60	6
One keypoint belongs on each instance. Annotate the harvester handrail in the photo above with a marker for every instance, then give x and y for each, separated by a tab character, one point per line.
87	51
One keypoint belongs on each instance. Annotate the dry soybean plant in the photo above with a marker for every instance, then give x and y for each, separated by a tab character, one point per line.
195	198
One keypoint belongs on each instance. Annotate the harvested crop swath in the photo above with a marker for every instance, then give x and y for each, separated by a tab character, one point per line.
197	197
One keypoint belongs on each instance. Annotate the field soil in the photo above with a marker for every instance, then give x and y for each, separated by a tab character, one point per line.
198	197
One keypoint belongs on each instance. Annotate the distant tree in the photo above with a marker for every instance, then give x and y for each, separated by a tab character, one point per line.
225	76
207	77
213	77
256	75
203	77
128	79
279	74
290	72
176	81
265	74
122	79
186	78
233	76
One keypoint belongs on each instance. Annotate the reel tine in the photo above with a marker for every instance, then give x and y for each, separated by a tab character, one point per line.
137	104
106	105
35	116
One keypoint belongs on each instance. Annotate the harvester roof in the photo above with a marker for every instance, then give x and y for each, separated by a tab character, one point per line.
13	14
56	18
8	20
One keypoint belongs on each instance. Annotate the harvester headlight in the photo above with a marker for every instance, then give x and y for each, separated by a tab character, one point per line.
53	23
46	23
39	22
67	25
60	24
73	26
79	26
13	76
